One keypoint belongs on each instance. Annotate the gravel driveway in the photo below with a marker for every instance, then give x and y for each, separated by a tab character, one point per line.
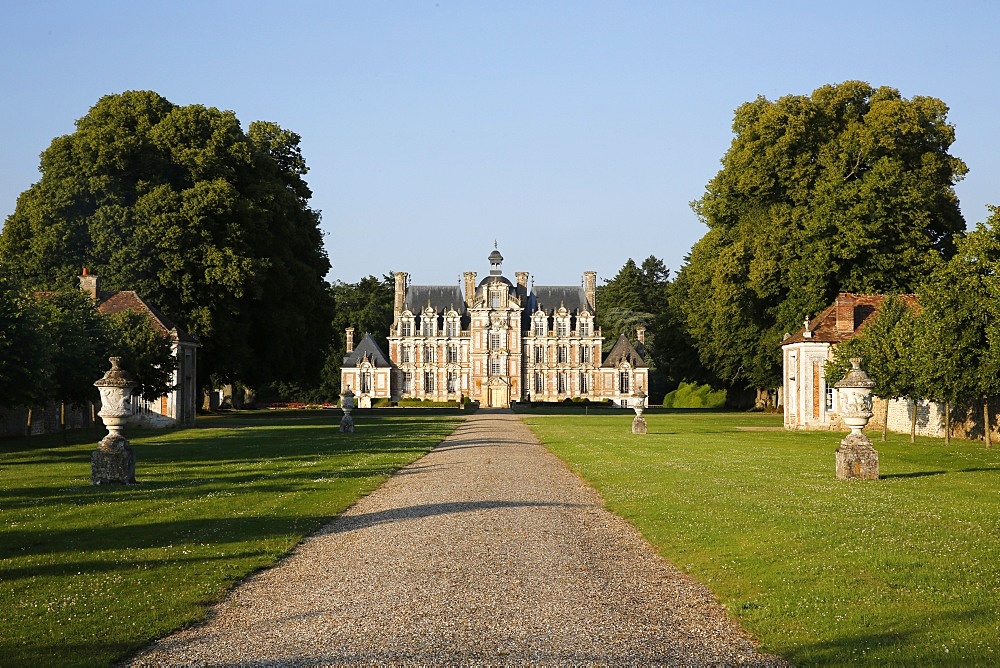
486	551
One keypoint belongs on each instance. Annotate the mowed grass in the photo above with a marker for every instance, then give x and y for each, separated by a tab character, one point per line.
89	575
901	571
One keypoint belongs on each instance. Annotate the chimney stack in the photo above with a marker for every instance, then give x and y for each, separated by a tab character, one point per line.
590	288
640	334
91	284
399	296
350	339
845	313
470	288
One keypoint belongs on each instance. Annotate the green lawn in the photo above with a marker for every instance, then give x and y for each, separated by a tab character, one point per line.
88	575
900	571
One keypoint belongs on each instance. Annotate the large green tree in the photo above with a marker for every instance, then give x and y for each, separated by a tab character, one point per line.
848	189
210	223
957	351
26	352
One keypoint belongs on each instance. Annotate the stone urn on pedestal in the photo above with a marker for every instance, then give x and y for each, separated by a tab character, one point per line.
638	403
114	462
347	405
856	457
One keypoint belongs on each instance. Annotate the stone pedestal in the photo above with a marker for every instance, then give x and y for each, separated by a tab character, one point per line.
347	424
639	425
857	458
113	463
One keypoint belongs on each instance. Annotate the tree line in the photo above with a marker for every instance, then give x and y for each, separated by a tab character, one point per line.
850	188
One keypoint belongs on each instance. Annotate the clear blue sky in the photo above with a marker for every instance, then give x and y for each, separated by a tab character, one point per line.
573	133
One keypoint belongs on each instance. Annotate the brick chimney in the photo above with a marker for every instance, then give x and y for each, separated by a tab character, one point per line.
640	334
91	284
470	288
400	294
590	288
350	339
845	313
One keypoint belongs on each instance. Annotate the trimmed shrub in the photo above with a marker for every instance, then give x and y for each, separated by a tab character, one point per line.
692	395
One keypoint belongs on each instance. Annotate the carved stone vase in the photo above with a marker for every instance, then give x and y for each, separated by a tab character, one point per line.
856	456
114	461
347	405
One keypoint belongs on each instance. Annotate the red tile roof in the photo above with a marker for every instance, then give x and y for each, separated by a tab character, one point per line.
824	326
129	300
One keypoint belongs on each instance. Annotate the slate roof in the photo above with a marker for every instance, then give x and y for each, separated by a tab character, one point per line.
551	297
129	300
824	326
440	297
367	348
623	351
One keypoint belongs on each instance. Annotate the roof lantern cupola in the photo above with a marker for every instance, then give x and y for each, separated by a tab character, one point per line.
496	259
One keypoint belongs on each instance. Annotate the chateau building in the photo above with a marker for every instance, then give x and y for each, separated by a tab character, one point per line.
495	342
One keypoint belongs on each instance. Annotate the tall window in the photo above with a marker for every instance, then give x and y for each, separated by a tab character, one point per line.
539	383
494	340
452	381
407	382
452	327
429	325
366	382
539	354
429	355
428	381
494	299
452	353
404	354
540	327
496	366
406	328
584	327
561	381
562	328
562	353
584	354
623	381
584	388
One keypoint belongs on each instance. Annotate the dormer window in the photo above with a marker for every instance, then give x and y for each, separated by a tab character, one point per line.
540	326
584	327
428	325
452	327
406	328
562	327
496	297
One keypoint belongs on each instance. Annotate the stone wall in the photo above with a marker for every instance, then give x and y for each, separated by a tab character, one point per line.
44	419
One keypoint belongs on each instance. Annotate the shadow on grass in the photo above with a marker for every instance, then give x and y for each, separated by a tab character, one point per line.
915	474
146	535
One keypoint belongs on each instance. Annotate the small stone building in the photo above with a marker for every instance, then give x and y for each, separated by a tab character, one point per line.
179	406
496	341
810	403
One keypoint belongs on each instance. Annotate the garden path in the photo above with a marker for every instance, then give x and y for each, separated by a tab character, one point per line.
487	550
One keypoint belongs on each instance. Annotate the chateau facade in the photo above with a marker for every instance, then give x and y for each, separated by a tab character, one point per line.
495	342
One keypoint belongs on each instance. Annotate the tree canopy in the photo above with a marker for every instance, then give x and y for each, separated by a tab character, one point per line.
849	189
209	222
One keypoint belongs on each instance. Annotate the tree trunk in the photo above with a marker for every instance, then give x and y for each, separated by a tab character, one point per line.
885	420
62	422
28	425
987	437
913	422
947	423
